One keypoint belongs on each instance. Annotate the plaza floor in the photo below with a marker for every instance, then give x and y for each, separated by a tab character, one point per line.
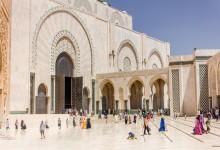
113	136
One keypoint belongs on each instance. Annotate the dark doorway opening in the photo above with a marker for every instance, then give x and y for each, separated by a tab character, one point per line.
104	109
67	92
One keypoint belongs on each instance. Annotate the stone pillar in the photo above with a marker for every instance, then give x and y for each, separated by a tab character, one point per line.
93	94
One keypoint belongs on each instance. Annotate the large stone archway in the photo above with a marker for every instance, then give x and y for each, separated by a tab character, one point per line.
159	90
108	97
52	13
136	96
64	73
86	99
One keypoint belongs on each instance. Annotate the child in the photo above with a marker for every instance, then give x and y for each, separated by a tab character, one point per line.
207	126
131	136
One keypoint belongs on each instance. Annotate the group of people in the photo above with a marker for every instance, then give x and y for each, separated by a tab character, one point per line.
85	123
23	125
199	128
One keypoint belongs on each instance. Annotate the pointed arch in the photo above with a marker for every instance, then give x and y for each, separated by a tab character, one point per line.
128	43
44	17
74	52
117	19
155	52
84	4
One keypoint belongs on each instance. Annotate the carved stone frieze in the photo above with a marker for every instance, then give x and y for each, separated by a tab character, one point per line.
72	48
4	51
149	72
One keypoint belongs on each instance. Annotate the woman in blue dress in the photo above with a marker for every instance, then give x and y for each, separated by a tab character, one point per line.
162	124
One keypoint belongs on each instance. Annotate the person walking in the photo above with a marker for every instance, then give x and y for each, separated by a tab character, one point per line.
59	123
16	124
74	122
106	117
7	125
88	123
109	111
67	123
146	127
126	119
22	124
216	113
129	119
207	126
135	118
162	124
24	127
42	129
198	129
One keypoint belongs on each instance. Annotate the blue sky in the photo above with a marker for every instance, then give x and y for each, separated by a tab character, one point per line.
186	24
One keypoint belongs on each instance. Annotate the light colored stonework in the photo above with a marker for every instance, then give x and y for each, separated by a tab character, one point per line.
117	64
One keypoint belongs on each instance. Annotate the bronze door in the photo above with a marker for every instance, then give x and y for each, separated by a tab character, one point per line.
77	92
60	90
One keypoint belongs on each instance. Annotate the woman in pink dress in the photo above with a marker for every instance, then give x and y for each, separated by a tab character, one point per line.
198	129
201	119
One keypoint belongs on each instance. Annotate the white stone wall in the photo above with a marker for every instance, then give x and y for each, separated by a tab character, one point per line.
214	78
99	10
20	46
36	25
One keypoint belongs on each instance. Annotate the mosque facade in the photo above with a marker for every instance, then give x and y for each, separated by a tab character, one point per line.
85	54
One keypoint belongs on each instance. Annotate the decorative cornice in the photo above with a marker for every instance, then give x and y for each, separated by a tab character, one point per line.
133	73
202	57
181	63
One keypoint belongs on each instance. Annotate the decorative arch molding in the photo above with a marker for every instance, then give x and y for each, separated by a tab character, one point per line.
43	18
43	85
80	4
128	43
104	82
86	87
116	17
74	53
156	53
157	77
132	80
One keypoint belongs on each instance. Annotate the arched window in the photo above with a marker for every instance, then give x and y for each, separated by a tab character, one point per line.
154	66
127	64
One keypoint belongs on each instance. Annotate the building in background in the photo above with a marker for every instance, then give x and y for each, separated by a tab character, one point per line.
85	54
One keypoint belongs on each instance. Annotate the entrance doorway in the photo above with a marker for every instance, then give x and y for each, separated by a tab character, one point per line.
86	99
159	95
41	100
68	88
108	97
104	107
136	95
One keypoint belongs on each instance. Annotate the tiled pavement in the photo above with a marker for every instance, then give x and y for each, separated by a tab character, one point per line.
113	136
